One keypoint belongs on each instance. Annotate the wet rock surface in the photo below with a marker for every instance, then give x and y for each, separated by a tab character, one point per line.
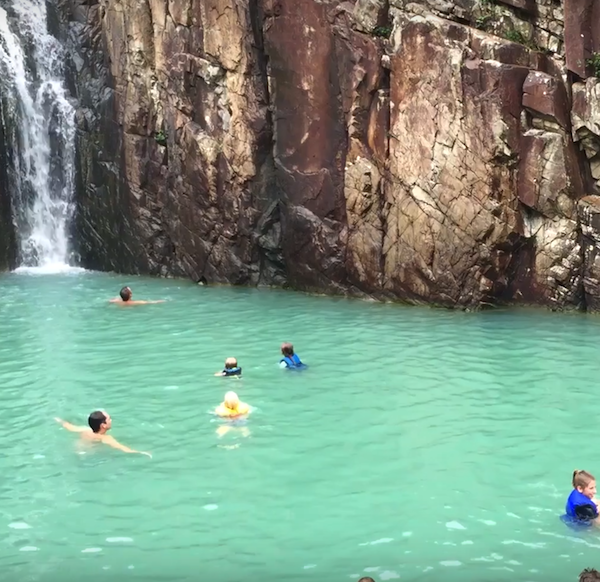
430	152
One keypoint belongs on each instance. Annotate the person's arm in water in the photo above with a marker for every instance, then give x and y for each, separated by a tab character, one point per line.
106	439
115	444
70	426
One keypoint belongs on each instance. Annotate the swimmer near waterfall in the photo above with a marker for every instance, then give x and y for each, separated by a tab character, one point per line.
125	298
99	423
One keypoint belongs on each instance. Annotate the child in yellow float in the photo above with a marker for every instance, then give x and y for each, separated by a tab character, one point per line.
232	407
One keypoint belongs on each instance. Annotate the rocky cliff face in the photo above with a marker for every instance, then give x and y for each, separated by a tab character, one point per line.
429	151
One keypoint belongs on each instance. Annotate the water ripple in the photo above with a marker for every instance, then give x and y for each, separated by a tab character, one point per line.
418	440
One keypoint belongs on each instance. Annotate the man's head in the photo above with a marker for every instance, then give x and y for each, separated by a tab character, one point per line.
231	400
125	293
230	363
99	421
366	579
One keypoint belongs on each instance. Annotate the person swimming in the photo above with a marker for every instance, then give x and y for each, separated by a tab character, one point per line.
231	368
582	506
99	423
290	359
232	407
125	298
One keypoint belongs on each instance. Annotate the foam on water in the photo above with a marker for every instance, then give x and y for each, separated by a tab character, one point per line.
50	268
19	525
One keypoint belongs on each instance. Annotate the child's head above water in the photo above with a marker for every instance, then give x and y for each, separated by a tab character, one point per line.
231	400
287	349
585	483
230	363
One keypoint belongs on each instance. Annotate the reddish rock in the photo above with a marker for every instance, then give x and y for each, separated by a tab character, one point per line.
310	139
270	142
579	39
595	20
451	190
549	180
585	116
528	6
545	96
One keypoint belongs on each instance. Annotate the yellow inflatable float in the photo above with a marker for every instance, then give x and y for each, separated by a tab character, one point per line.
232	407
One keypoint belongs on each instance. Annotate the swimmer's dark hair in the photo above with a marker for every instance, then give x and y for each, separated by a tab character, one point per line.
287	349
125	293
96	420
366	579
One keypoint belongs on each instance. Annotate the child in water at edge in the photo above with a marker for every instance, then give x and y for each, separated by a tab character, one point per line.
582	505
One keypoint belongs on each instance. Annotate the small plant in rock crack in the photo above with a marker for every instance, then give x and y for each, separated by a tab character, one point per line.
382	31
161	138
594	62
488	14
518	37
515	36
482	22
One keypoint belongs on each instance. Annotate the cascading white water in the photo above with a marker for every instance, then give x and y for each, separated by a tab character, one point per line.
37	105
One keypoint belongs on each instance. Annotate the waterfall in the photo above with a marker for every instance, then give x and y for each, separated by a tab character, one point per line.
41	121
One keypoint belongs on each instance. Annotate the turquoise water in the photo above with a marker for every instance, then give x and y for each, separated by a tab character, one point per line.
420	443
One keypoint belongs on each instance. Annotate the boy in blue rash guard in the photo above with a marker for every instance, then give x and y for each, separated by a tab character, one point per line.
231	369
290	360
582	507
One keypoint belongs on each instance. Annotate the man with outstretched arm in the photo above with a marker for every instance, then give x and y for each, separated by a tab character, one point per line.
99	423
